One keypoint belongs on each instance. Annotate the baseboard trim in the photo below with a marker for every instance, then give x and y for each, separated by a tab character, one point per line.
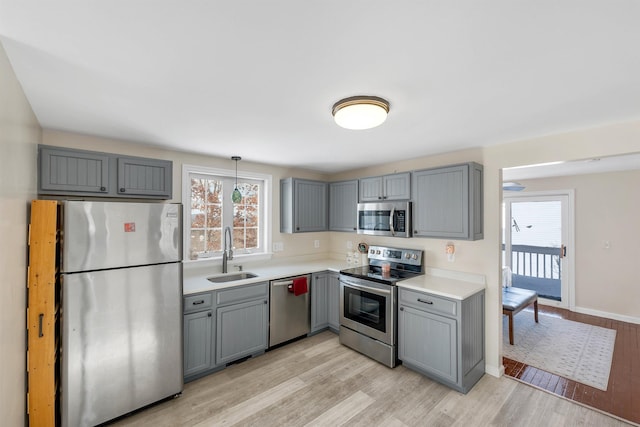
494	371
614	316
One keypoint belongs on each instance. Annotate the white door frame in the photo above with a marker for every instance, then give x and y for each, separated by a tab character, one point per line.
568	229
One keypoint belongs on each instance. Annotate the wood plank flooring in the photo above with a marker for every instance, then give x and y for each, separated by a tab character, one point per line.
318	382
622	397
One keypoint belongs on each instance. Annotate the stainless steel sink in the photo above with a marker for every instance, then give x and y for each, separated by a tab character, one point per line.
231	277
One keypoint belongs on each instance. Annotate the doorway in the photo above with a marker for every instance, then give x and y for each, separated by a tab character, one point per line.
538	244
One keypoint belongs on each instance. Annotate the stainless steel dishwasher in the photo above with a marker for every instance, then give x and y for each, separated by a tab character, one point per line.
289	315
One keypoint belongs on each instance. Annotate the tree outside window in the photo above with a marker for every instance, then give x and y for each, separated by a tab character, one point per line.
211	210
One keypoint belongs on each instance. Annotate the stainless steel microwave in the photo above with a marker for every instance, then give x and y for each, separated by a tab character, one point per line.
385	219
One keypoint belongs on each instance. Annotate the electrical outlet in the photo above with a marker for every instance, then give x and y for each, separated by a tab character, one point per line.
278	247
349	244
316	244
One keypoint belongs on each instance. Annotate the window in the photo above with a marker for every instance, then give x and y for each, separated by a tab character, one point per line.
209	210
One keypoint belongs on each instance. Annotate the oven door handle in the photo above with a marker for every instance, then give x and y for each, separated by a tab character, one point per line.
391	215
376	291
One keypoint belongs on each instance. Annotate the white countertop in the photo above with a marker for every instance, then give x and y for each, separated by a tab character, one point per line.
445	283
195	279
442	286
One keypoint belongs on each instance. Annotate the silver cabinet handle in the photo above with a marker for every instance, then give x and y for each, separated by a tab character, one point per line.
425	301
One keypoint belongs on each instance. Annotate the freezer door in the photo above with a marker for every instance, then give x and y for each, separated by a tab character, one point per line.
121	341
100	235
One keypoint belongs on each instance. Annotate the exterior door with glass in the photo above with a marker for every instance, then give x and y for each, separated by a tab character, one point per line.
536	244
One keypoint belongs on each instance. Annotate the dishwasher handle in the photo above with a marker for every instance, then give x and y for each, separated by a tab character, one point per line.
282	283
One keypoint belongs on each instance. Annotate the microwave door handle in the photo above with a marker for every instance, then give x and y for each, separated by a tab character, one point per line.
391	215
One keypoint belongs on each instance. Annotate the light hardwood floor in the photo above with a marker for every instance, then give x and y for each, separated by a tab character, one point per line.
318	382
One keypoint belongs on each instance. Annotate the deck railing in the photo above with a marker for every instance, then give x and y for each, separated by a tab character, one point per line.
535	261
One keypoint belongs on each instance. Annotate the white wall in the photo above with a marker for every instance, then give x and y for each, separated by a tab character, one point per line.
606	207
19	135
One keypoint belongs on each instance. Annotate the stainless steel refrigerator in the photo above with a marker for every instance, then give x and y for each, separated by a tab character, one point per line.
121	275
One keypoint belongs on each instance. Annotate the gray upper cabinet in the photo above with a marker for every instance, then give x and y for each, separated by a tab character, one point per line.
303	205
343	203
387	187
71	172
144	177
447	202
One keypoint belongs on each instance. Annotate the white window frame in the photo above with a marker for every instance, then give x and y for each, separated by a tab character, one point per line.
265	211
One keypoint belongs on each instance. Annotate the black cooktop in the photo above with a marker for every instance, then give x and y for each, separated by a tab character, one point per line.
374	273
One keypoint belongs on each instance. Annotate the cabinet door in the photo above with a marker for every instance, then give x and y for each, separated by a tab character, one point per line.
429	342
397	186
319	293
70	171
333	301
370	189
198	329
310	206
343	203
441	202
144	177
241	330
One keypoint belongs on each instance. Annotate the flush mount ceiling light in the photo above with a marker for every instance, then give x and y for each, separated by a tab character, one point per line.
360	112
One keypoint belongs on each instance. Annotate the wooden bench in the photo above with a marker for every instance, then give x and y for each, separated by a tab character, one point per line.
514	300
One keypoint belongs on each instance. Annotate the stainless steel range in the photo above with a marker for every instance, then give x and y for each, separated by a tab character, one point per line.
368	301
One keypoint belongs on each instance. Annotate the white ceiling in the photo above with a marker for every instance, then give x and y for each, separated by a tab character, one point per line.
258	79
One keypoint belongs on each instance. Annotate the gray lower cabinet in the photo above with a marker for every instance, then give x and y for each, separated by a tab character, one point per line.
442	338
198	342
242	326
68	171
198	329
325	301
319	301
224	326
303	206
343	204
447	202
333	297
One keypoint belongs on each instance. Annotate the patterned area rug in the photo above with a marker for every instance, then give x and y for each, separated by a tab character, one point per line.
572	350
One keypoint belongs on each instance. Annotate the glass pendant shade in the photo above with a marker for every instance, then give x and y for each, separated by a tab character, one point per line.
236	196
360	112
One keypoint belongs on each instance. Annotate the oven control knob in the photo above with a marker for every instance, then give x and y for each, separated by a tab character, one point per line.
377	251
414	256
387	253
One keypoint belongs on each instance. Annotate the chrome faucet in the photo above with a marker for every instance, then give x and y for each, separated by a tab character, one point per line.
227	254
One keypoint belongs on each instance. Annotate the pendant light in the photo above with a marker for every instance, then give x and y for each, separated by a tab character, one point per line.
236	196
